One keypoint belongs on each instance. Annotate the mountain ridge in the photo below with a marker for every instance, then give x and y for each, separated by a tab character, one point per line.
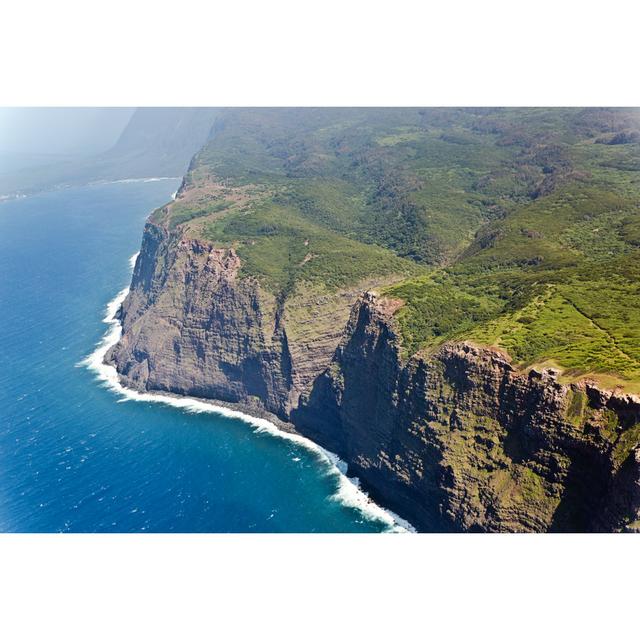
156	142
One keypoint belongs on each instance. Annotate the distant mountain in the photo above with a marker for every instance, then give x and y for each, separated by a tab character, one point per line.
157	141
60	131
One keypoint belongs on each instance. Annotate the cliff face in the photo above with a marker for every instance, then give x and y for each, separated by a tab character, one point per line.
456	440
459	441
192	325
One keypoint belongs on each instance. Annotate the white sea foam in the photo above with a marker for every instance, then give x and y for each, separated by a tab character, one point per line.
132	261
348	492
130	180
19	196
12	196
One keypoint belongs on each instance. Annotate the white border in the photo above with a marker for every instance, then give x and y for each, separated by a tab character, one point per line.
338	52
335	52
318	586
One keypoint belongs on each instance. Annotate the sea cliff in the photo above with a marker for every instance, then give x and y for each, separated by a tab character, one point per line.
453	439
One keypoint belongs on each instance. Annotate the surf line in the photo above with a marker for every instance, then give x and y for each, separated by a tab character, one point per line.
134	180
348	492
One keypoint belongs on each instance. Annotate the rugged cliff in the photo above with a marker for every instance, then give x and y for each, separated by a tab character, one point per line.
193	325
441	296
456	439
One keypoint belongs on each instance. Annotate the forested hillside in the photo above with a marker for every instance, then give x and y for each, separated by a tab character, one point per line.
516	228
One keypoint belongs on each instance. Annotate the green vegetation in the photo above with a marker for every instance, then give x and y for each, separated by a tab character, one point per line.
555	282
181	213
626	443
282	248
576	406
515	228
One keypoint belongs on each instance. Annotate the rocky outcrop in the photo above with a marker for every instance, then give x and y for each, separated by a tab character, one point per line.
192	325
454	440
458	440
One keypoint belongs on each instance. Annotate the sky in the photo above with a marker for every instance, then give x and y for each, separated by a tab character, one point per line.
61	130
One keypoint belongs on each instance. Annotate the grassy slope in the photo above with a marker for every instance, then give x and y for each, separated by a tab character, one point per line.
511	228
556	282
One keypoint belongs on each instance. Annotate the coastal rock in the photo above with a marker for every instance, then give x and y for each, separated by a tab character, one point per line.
192	325
458	440
453	440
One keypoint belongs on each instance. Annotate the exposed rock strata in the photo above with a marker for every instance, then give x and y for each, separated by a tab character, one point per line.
460	441
456	440
192	325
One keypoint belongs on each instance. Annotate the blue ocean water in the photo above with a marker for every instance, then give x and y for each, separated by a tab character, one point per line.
73	455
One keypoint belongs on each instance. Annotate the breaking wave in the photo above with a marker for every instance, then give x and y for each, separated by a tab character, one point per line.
132	180
348	491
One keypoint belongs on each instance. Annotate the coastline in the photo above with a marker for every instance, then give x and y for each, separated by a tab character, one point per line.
348	492
20	195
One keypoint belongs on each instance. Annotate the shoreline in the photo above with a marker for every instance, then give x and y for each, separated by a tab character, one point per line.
20	195
348	492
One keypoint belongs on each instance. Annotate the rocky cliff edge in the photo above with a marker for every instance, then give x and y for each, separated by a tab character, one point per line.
453	440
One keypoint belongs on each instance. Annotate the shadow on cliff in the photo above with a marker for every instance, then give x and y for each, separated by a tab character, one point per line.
586	484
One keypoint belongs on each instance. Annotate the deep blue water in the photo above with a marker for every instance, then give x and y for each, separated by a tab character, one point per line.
73	456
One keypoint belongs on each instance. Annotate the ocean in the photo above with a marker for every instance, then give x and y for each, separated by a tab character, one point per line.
77	453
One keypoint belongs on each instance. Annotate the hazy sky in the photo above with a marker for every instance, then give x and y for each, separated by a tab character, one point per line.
61	130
